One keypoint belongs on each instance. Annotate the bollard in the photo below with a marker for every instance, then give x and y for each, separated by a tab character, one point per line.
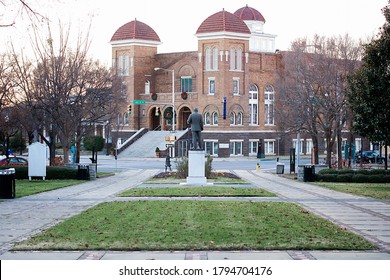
257	166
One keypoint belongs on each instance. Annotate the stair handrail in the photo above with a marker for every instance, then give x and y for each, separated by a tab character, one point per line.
132	139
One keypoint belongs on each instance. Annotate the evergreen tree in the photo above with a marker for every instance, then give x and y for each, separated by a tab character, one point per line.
369	88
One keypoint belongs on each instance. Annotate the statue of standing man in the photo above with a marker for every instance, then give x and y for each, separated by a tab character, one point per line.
196	122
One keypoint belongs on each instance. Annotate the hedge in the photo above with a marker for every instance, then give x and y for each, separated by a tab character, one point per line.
52	172
354	175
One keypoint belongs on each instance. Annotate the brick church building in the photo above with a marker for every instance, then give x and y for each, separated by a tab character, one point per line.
230	78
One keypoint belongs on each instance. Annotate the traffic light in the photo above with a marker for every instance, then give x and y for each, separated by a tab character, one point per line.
130	108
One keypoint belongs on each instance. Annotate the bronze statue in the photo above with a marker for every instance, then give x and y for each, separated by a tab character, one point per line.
196	122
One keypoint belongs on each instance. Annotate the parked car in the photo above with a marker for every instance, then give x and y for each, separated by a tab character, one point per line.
369	157
14	161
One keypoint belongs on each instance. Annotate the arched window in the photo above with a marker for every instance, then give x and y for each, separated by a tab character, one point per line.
147	87
232	59
239	60
215	59
215	118
208	59
235	59
126	118
232	118
239	118
253	104
269	98
207	119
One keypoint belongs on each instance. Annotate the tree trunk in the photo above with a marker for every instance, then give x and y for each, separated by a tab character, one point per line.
78	146
386	155
328	149
315	145
339	150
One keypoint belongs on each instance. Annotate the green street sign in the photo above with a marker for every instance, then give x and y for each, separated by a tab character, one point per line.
139	102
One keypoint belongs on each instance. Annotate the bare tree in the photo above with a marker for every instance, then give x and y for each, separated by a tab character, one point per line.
313	84
57	85
16	9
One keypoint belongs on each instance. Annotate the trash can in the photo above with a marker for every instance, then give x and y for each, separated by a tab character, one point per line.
308	173
83	172
279	168
7	183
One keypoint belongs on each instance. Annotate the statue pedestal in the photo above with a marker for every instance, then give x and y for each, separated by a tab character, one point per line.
196	168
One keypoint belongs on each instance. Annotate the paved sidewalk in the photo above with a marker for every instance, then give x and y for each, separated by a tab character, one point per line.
23	217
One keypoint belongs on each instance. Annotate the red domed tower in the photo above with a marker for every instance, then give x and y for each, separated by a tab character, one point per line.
223	47
134	47
259	41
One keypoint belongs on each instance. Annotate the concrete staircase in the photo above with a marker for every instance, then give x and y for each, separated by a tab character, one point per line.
145	146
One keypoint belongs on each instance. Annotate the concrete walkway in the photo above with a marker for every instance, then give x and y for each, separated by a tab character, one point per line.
23	217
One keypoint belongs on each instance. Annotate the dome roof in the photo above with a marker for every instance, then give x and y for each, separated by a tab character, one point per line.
135	30
248	13
223	22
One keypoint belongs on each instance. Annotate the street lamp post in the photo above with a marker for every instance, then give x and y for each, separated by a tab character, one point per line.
173	94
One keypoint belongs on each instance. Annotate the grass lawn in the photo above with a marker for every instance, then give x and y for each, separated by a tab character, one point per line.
380	191
195	225
197	191
26	187
173	180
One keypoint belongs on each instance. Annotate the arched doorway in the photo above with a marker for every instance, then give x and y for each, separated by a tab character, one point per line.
184	113
155	118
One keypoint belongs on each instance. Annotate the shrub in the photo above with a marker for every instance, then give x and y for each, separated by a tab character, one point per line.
52	172
354	176
91	141
208	167
345	178
182	168
60	173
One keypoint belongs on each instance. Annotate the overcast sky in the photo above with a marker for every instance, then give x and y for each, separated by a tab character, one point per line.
176	21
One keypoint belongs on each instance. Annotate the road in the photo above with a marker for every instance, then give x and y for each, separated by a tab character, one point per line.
109	164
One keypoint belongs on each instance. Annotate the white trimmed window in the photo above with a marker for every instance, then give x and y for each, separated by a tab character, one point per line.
232	118
207	118
120	65
253	146
235	147
126	67
269	96
215	118
211	86
186	84
211	147
236	86
215	59
232	59
126	118
235	59
208	59
147	87
253	105
120	119
240	117
296	147
239	60
123	65
269	147
309	146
